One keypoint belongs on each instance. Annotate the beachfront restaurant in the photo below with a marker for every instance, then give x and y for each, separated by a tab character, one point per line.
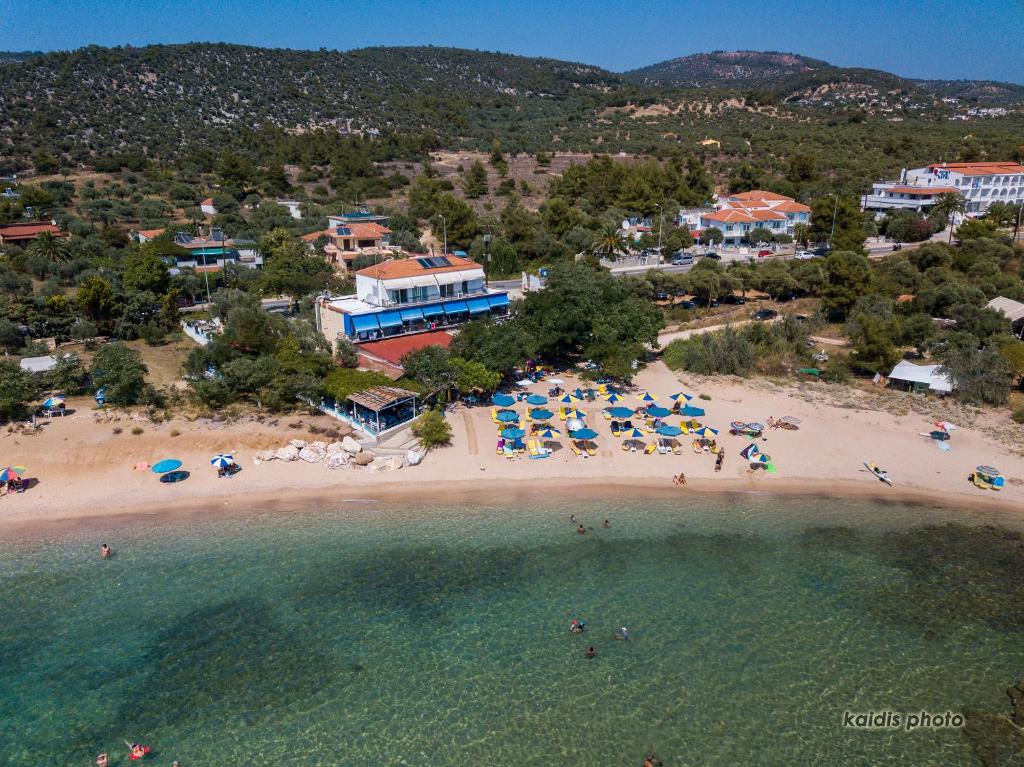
381	408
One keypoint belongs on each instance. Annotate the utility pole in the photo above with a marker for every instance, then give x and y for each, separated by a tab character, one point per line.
835	208
661	224
1016	227
444	224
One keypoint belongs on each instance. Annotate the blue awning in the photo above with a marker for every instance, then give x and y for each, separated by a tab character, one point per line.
454	307
433	311
390	319
412	314
477	305
364	322
500	300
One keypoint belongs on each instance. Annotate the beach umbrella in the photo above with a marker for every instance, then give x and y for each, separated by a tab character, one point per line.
691	411
550	433
755	426
679	395
541	414
657	411
634	433
51	402
750	452
568	399
705	431
613	398
222	460
790	419
621	412
508	416
647	397
166	465
524	382
989	471
583	434
101	396
513	433
669	431
10	472
174	476
537	399
503	400
635	444
575	414
575	423
738	426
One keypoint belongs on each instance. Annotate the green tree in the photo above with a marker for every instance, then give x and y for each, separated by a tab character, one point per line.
142	269
610	242
917	330
501	347
849	277
1013	352
980	376
68	375
51	247
712	235
474	181
874	350
975	229
17	389
947	206
745	177
838	221
96	299
472	376
289	268
430	366
432	430
559	216
455	217
119	368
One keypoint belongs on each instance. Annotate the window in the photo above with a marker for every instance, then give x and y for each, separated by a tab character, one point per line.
447	290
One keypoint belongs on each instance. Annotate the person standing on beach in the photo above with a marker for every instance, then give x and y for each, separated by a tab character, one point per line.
719	459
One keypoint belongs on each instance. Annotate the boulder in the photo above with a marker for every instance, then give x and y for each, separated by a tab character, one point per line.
311	454
335	447
362	459
349	445
390	463
413	458
288	453
344	429
263	456
337	460
319	445
298	443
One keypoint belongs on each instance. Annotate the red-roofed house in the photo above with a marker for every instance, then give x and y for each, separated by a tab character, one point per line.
207	207
979	183
145	235
410	295
346	242
22	234
739	214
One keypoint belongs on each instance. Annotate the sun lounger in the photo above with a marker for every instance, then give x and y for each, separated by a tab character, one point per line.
574	447
509	452
561	413
677	449
626	425
663	449
494	415
591	449
650	449
616	428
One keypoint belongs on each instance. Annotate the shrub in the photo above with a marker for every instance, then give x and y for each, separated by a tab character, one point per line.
118	430
1018	415
432	429
837	372
137	430
706	397
175	433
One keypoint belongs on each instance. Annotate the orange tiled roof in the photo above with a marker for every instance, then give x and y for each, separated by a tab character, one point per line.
791	206
759	194
314	236
207	201
767	215
393	349
367	231
151	233
980	168
27	231
410	267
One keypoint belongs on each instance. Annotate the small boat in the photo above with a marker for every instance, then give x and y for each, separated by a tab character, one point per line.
883	476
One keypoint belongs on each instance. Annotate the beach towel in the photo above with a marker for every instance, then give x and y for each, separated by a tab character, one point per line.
943	446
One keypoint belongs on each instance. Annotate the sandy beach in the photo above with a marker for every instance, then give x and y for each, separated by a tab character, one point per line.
84	470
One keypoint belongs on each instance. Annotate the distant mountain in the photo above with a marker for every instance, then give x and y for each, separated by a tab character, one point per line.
8	57
724	69
976	92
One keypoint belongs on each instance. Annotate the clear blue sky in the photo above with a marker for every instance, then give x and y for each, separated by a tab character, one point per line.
914	38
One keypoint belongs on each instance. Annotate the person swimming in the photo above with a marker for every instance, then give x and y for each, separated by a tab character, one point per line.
101	760
590	653
105	551
622	634
606	524
578	626
581	530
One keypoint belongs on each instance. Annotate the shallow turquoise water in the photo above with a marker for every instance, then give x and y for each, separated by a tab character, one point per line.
366	635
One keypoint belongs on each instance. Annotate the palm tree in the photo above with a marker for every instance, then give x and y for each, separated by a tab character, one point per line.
610	241
948	205
51	247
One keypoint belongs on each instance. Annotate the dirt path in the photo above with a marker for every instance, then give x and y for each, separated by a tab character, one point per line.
471	442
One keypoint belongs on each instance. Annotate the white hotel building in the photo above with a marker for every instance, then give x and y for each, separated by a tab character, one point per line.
980	183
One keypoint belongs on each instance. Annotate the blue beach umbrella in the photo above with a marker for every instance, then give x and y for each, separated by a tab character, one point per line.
536	399
568	399
51	402
513	433
705	431
648	397
657	411
540	414
550	433
634	434
575	414
692	411
222	460
621	412
583	434
679	395
508	416
166	465
101	396
669	431
503	400
613	398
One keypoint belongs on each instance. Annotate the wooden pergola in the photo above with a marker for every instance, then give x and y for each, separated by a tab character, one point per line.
369	405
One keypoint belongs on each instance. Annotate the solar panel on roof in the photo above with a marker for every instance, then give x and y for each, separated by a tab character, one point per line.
433	262
344	231
182	238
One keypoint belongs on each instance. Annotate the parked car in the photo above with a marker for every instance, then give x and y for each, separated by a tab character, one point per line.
683	259
764	253
711	254
687	304
734	300
803	255
661	295
789	295
822	251
765	314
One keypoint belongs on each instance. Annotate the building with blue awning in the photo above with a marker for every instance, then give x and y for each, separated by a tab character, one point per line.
410	295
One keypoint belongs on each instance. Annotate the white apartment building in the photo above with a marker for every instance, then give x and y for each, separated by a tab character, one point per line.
980	183
739	214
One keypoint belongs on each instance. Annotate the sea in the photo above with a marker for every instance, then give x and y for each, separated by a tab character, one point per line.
763	631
